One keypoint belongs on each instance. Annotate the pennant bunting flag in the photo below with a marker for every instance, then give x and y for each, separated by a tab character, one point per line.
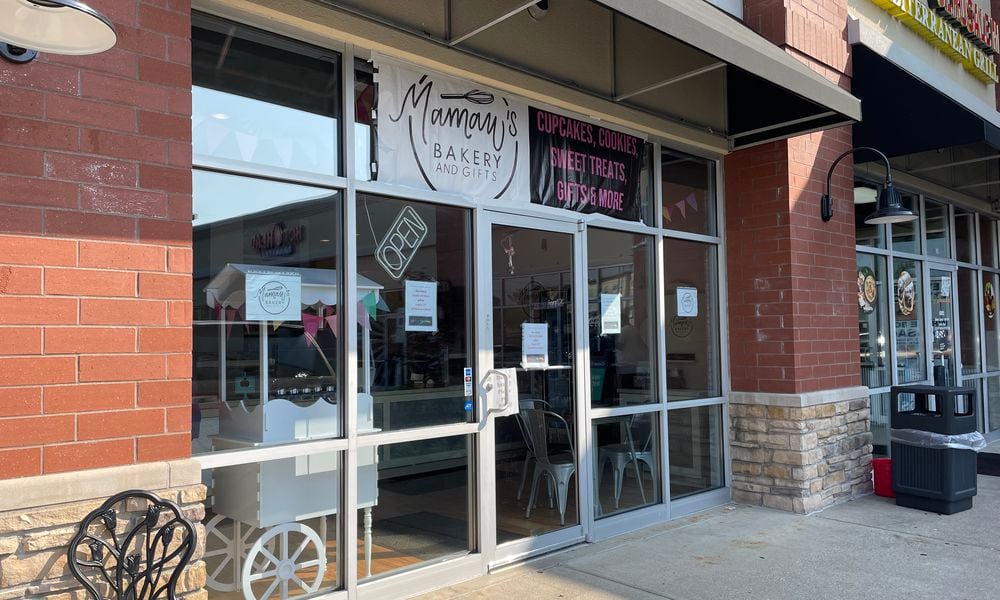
311	324
331	321
683	208
692	201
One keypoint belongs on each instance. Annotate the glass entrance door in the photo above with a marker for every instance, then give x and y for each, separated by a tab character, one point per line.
531	315
942	310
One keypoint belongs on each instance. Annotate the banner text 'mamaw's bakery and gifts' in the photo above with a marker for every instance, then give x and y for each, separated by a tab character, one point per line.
584	167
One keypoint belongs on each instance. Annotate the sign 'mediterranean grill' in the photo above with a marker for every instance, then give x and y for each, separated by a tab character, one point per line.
959	28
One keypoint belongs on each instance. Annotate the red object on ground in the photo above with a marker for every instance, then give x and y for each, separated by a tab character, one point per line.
883	477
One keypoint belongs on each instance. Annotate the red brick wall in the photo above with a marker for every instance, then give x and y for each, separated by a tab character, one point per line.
95	249
792	281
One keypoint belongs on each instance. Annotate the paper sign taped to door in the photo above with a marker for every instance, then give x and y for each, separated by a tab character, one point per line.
535	345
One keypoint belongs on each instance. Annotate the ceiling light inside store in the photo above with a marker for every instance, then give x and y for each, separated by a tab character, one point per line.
220	116
865	195
55	26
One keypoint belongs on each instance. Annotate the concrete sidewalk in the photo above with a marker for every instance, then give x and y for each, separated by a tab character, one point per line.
868	548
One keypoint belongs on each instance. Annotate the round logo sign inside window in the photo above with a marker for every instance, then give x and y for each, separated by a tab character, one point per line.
274	297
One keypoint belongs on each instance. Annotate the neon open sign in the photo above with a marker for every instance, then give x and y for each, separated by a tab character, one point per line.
401	243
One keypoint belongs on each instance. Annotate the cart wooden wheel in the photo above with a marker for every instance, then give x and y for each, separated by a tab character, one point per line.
291	554
226	544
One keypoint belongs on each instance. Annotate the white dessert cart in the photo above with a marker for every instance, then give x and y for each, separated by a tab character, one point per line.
279	496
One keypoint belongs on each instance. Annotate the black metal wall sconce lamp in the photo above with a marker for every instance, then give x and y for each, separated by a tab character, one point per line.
28	27
889	208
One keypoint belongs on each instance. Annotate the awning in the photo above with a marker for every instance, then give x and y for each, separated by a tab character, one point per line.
681	62
770	94
925	132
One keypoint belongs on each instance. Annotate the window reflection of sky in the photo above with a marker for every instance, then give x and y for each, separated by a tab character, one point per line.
242	129
218	197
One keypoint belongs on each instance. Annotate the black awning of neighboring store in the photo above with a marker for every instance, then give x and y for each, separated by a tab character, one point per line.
903	115
924	132
680	60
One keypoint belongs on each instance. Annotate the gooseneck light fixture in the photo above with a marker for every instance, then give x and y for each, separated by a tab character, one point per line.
889	208
54	26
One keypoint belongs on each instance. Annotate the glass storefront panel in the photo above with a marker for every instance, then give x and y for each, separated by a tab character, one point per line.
880	404
622	323
908	302
627	452
993	402
414	503
938	229
692	320
696	450
991	326
272	527
265	259
262	100
873	317
906	236
965	235
865	198
968	320
365	100
415	326
688	193
988	242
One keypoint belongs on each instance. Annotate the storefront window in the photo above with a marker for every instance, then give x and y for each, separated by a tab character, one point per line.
696	457
988	242
688	193
415	322
880	423
365	101
864	203
993	402
908	301
965	236
271	527
692	320
968	319
938	240
265	312
621	317
991	284
413	503
628	465
873	300
263	101
905	236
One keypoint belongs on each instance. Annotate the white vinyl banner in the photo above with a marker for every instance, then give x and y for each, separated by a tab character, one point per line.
440	133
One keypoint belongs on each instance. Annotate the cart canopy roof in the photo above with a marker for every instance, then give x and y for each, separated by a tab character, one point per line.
228	288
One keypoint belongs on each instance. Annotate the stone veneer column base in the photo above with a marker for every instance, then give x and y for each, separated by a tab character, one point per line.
40	515
800	452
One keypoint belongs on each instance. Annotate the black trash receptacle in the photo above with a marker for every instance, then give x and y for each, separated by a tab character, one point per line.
926	476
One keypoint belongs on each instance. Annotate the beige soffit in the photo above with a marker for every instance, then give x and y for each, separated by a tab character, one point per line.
713	31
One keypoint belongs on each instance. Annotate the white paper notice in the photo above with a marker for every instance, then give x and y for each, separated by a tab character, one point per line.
273	296
687	302
421	306
611	314
535	345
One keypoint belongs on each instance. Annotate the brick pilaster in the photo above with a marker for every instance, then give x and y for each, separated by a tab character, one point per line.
95	249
